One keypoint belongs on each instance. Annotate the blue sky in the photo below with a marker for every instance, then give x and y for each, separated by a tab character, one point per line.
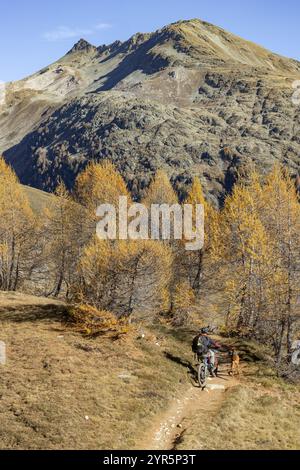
35	33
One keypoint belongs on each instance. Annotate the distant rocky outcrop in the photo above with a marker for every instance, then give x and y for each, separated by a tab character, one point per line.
82	46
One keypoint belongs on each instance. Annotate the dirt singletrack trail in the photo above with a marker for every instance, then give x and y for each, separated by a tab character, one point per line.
169	427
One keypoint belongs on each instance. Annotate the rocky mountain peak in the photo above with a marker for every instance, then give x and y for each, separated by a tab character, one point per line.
82	46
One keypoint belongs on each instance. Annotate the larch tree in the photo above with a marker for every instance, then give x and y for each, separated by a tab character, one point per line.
17	229
194	260
65	237
100	183
246	250
281	216
129	278
160	191
258	245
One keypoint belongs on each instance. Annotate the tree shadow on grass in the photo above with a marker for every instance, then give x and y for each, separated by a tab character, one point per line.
30	313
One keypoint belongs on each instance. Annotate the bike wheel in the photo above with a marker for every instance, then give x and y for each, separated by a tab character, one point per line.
202	375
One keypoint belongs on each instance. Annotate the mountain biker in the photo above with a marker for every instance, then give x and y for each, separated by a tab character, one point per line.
204	346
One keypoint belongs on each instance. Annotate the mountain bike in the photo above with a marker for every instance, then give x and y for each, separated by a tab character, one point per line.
203	369
202	372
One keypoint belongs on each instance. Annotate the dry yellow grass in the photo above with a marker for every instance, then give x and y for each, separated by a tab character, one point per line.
202	38
62	391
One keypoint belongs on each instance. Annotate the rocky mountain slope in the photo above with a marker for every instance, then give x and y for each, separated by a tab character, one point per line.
190	98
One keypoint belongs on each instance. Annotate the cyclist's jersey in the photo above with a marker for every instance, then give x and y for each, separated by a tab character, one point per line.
208	342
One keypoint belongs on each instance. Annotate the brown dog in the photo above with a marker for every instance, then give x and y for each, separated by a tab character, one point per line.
235	363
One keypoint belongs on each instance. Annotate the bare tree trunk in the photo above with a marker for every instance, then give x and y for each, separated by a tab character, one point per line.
279	344
129	309
11	267
58	287
241	320
16	279
197	281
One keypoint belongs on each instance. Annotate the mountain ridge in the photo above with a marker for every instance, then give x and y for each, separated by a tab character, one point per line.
181	30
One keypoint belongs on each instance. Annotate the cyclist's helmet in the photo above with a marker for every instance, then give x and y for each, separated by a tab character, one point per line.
205	331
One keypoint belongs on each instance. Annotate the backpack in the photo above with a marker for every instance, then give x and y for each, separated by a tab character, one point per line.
195	344
200	345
